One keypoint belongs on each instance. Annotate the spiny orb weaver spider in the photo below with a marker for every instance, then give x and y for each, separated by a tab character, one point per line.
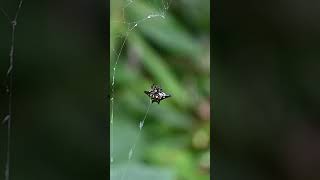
156	94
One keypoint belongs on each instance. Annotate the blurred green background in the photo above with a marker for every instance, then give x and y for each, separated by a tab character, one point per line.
172	52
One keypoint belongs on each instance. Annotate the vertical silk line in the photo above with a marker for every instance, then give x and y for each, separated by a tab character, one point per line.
9	89
133	146
112	90
112	99
112	93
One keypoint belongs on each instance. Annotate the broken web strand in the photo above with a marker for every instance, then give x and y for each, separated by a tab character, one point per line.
8	118
133	146
131	27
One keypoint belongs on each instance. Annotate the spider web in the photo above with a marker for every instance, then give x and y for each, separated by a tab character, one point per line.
8	118
121	27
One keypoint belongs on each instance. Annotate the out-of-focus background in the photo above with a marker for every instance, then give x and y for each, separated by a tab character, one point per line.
170	49
266	90
60	107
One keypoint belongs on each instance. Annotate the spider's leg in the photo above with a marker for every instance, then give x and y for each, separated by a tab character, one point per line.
165	96
147	92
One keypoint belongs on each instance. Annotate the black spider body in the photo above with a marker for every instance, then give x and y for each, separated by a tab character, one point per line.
156	94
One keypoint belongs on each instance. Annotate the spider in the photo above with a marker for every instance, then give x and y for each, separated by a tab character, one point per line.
156	94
